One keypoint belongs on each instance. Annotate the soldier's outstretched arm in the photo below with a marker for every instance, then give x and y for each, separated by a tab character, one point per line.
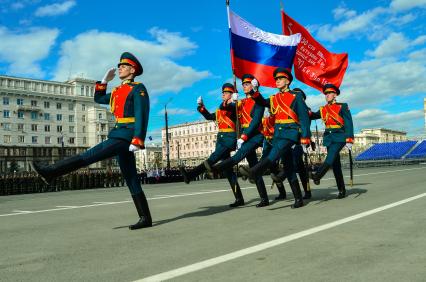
260	100
101	97
206	114
141	102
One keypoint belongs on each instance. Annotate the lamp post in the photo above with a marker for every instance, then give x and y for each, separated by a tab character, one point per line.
167	134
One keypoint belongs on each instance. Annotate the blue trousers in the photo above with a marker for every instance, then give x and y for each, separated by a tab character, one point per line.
222	152
282	149
119	148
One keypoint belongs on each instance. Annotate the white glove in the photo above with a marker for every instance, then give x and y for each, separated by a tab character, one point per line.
234	97
109	75
133	148
200	101
239	143
255	84
305	148
349	146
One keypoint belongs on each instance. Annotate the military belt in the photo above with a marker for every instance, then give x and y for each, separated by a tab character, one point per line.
125	120
226	130
281	121
333	126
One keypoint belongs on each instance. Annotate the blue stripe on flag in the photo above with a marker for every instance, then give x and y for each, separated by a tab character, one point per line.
262	53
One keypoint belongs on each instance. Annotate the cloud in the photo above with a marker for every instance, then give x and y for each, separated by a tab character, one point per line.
93	52
402	5
354	24
55	9
375	81
24	51
377	118
342	12
393	45
177	111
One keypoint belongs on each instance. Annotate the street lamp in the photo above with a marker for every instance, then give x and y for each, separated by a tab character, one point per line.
167	133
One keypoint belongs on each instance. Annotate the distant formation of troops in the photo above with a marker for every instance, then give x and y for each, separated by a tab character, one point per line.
283	134
29	182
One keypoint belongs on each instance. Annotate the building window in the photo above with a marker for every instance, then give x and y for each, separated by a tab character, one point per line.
59	128
84	140
71	140
33	103
71	118
83	107
60	140
21	139
47	140
21	114
58	117
19	101
103	127
6	126
100	116
6	114
71	129
34	139
83	118
33	127
47	128
7	139
20	127
34	115
71	107
83	129
46	116
46	105
58	106
5	100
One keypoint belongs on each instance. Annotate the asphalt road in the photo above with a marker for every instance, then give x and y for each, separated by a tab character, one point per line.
377	233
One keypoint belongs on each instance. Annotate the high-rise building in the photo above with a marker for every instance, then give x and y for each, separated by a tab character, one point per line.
47	120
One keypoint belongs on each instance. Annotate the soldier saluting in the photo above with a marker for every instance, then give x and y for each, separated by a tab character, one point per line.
225	116
129	103
339	132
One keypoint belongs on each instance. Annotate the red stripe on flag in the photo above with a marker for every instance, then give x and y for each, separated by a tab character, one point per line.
263	73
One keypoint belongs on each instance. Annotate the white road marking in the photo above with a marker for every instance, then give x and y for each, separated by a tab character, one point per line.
71	207
260	247
176	196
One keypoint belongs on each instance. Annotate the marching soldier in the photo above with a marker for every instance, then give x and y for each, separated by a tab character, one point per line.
250	116
129	103
268	132
291	126
339	132
225	116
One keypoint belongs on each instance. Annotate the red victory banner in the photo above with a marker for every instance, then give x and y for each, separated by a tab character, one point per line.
313	64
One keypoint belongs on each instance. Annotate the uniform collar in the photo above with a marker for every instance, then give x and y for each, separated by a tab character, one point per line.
127	81
332	102
286	90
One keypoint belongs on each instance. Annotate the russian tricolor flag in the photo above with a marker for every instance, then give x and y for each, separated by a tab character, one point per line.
259	52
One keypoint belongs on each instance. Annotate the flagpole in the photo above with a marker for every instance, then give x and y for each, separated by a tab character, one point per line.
282	16
237	121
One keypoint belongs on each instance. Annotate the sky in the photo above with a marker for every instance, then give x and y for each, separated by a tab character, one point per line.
184	49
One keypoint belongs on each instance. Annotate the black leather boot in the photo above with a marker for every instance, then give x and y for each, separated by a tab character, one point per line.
322	170
193	173
258	169
142	207
50	172
243	171
340	185
222	166
281	190
261	189
298	200
239	200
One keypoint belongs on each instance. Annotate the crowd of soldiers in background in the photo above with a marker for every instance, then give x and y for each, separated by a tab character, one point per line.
30	182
